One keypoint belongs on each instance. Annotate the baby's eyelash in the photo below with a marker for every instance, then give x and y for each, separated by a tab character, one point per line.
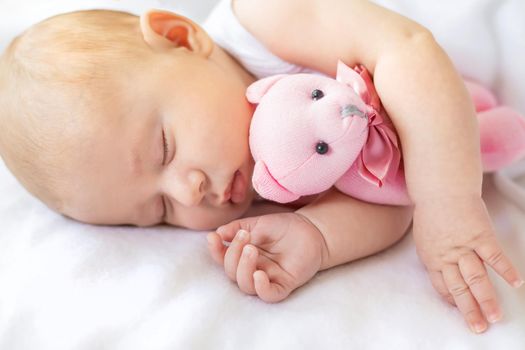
165	143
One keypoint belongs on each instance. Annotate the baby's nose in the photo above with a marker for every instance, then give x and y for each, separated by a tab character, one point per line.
187	190
195	187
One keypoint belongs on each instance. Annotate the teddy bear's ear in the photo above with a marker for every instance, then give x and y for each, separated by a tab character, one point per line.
257	90
351	78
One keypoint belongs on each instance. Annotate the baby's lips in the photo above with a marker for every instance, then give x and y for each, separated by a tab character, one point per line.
268	187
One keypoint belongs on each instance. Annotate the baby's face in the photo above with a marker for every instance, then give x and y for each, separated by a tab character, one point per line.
124	175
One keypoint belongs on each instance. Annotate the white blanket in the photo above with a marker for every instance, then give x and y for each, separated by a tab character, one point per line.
67	285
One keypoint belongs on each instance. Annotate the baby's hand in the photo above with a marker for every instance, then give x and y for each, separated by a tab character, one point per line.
454	236
270	255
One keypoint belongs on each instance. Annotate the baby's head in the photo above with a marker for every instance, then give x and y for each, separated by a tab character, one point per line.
90	101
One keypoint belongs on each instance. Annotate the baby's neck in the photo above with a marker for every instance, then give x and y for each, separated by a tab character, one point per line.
229	63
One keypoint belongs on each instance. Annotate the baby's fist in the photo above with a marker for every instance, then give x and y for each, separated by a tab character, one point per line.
270	255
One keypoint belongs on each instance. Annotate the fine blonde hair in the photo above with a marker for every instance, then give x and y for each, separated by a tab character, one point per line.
49	78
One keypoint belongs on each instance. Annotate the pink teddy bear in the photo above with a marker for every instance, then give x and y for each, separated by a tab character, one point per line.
310	132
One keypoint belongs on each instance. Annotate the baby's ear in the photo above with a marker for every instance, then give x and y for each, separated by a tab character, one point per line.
164	30
257	90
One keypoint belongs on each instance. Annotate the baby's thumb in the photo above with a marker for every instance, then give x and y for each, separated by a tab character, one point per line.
228	231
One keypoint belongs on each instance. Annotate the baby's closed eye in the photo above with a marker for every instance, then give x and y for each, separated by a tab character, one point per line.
165	147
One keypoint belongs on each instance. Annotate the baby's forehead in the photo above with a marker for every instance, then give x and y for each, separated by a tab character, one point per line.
63	93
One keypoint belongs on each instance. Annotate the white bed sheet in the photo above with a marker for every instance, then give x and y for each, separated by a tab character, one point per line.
67	285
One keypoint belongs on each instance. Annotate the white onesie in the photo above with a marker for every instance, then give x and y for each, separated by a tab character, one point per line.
226	30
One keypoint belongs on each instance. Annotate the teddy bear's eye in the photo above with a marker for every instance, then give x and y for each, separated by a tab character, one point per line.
317	94
321	147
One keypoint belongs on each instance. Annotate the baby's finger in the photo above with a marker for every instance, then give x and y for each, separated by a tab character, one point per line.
436	278
246	268
493	255
475	275
466	303
233	253
270	292
216	248
228	231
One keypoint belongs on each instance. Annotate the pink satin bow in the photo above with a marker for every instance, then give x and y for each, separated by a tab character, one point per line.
381	155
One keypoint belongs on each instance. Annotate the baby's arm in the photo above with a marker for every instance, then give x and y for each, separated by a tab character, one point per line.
417	83
353	229
433	114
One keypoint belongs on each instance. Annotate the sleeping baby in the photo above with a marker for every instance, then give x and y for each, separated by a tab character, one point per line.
113	119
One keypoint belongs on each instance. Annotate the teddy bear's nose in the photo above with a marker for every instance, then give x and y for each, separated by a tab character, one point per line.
349	110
